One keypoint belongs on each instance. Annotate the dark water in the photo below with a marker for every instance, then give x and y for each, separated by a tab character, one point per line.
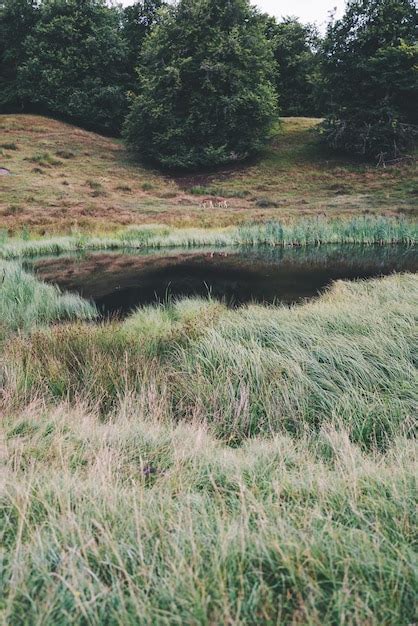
120	282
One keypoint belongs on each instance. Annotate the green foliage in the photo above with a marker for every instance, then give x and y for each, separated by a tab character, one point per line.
205	95
138	19
371	80
17	19
295	51
72	58
75	63
308	232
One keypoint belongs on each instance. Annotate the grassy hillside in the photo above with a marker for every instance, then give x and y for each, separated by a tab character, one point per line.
62	177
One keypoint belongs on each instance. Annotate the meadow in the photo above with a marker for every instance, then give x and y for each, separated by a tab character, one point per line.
196	464
64	179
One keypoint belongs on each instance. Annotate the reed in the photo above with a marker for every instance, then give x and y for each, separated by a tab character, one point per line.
365	230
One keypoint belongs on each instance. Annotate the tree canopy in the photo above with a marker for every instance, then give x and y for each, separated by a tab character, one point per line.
75	63
199	82
17	19
295	48
370	78
205	94
72	58
138	19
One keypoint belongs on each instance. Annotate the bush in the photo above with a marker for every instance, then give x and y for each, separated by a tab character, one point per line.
205	92
380	139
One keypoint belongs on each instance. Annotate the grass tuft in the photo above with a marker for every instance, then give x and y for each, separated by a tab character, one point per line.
9	146
45	159
25	302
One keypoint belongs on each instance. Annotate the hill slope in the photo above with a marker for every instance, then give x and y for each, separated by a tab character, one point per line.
63	177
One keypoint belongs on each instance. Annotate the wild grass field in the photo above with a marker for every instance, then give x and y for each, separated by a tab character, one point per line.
196	464
63	179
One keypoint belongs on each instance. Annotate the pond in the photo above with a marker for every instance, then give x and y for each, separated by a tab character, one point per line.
119	282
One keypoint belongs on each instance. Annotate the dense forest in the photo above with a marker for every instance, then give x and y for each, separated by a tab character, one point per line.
202	82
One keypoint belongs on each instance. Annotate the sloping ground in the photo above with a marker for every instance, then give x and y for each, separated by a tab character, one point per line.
63	178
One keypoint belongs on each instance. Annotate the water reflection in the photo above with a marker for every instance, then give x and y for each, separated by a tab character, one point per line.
118	282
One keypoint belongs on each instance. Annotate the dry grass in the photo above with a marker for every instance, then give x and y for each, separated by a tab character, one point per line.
124	502
63	178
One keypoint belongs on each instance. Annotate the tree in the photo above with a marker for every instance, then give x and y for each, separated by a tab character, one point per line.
138	19
370	78
205	91
75	63
295	48
17	19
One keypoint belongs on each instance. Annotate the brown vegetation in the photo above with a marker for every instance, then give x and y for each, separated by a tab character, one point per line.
64	178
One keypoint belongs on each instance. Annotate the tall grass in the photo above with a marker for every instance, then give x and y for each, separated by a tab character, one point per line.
26	302
135	522
258	370
365	230
199	465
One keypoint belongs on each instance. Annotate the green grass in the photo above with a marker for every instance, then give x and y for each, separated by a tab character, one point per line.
45	160
133	522
199	465
25	302
9	146
347	357
199	190
363	230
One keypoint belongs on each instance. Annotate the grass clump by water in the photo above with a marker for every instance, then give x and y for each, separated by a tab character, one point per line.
365	230
25	302
247	372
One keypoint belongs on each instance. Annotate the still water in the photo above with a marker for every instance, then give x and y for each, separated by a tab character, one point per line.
119	282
